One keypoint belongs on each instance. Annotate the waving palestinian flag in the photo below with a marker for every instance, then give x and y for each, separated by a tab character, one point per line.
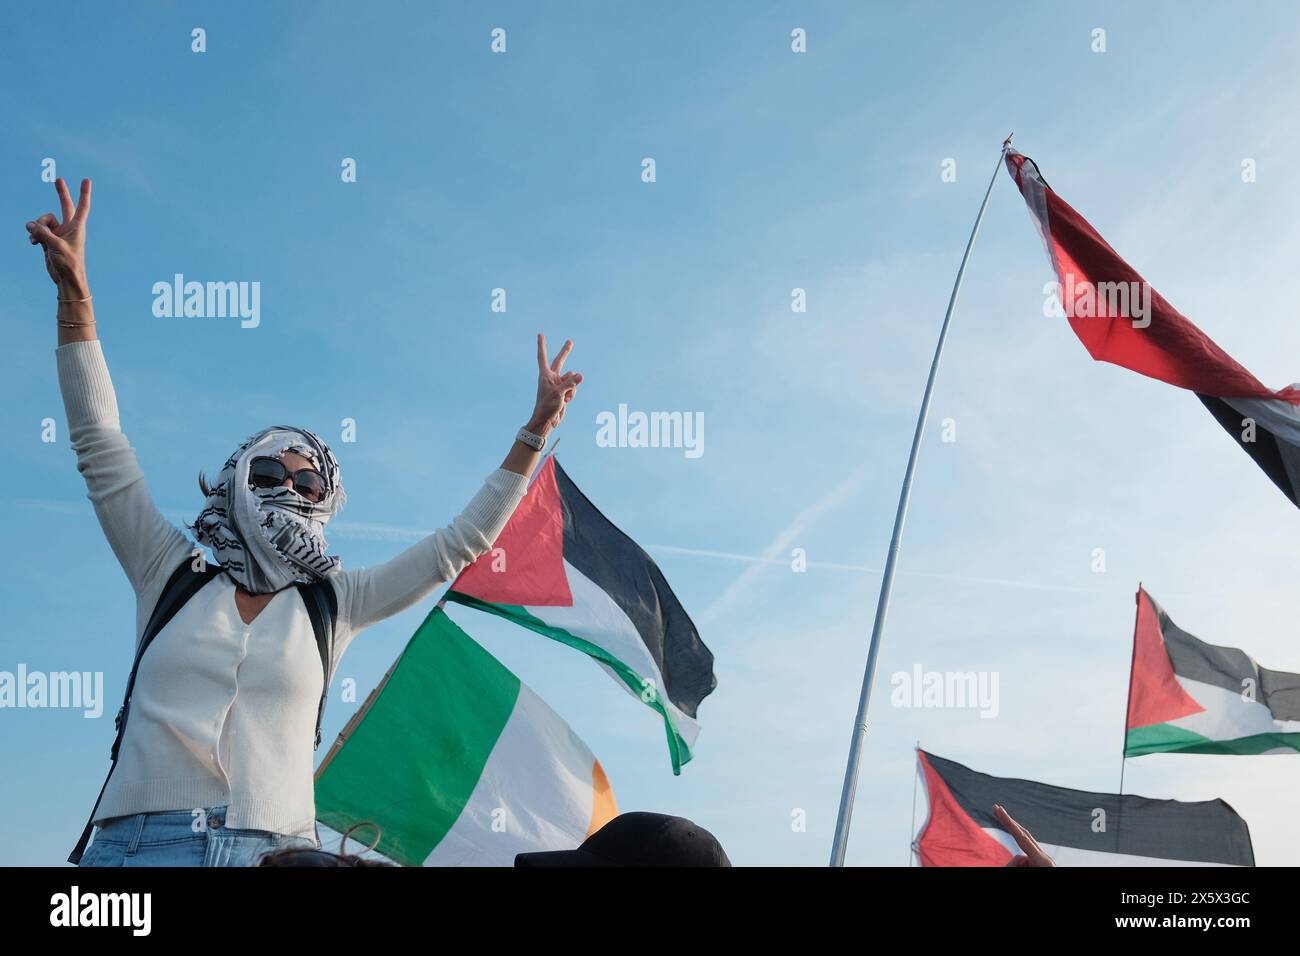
1074	827
1120	319
1186	696
562	569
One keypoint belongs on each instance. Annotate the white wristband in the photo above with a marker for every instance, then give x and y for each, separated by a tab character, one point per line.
535	442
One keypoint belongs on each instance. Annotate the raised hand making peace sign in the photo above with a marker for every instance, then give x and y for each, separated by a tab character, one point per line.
555	388
65	242
1031	854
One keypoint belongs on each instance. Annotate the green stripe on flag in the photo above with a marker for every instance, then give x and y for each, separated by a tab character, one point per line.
679	752
420	749
1166	738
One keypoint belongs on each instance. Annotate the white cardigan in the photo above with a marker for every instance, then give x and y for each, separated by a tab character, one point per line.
224	712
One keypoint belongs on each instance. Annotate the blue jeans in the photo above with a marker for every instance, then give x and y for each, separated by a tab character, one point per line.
182	838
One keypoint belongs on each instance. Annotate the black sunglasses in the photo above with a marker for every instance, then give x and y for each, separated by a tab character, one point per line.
270	472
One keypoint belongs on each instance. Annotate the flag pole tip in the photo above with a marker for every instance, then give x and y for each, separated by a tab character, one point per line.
1007	142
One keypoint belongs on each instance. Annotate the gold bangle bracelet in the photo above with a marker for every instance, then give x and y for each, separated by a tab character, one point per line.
86	299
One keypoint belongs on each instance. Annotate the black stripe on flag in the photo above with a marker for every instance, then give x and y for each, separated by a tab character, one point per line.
618	566
1271	455
1208	831
1229	668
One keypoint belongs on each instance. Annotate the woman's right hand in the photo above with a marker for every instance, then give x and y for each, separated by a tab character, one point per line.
65	242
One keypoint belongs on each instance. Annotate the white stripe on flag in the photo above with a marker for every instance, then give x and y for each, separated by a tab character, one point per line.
1273	414
1073	856
595	618
535	793
1228	716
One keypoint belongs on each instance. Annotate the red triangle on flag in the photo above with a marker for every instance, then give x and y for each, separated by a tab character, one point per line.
526	564
1154	694
950	837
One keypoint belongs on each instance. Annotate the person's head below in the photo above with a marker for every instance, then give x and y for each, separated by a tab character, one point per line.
266	511
638	839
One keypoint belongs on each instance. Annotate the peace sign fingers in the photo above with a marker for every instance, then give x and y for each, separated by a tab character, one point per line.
65	200
1034	855
555	387
73	216
542	362
83	202
64	242
558	364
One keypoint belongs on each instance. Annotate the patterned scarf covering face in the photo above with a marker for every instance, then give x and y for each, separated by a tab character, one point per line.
269	538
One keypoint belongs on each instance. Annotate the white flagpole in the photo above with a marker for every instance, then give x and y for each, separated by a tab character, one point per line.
887	584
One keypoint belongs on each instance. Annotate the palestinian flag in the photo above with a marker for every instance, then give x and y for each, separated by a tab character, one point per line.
459	763
562	569
1076	828
1186	696
1120	319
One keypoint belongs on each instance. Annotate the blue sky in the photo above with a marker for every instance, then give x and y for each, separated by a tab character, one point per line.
774	171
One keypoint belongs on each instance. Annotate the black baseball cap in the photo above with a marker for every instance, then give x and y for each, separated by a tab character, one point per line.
638	839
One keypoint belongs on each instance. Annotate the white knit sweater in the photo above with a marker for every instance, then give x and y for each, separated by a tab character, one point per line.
223	711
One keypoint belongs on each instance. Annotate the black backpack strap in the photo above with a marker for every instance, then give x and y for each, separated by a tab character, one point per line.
323	609
180	587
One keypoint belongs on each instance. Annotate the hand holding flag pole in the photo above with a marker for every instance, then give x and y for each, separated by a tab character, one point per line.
887	584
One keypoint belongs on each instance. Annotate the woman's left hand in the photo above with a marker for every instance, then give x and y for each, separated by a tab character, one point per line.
555	388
